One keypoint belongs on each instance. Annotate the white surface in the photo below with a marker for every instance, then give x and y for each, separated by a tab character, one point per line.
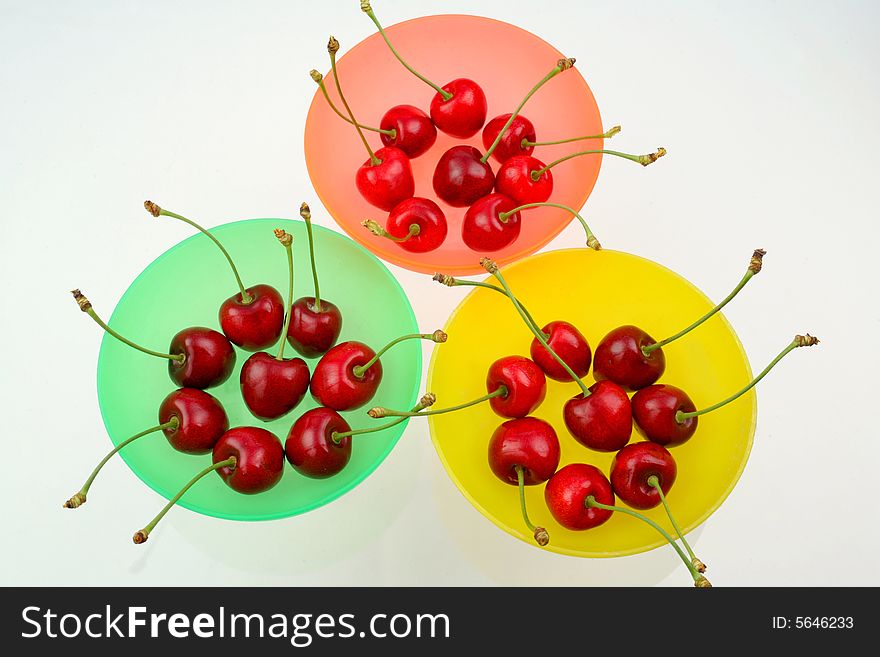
769	112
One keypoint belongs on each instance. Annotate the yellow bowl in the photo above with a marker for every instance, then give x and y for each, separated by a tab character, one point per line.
596	291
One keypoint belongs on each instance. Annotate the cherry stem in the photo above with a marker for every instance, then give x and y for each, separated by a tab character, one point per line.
561	65
86	306
436	336
592	242
754	268
654	482
799	341
542	538
378	231
375	161
591	502
426	400
379	411
605	135
644	160
156	211
80	498
492	268
317	77
368	10
306	214
286	240
142	535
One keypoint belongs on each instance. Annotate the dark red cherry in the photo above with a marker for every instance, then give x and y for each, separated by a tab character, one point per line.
313	332
461	177
619	358
425	214
387	183
602	421
512	142
201	420
414	131
311	448
462	115
259	459
655	409
569	344
255	325
515	180
527	442
634	465
272	388
335	383
566	495
484	229
525	383
208	358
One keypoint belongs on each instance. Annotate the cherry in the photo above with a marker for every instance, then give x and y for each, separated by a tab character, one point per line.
571	346
601	420
315	323
665	414
462	176
633	359
192	421
513	141
416	224
249	459
409	129
273	386
250	319
567	491
483	228
459	108
514	179
348	375
525	452
198	357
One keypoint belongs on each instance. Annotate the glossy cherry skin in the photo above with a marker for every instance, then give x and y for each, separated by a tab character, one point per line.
415	133
525	383
388	183
634	465
201	420
334	383
619	358
462	115
569	344
566	495
425	214
271	387
483	230
310	447
256	325
654	410
515	179
259	459
460	178
311	332
208	358
602	421
526	442
511	143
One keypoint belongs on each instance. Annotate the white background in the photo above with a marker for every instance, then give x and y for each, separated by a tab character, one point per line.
770	114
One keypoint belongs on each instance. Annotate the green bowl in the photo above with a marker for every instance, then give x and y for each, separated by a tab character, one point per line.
185	287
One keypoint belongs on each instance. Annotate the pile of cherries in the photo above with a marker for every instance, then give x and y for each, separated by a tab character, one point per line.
463	176
250	459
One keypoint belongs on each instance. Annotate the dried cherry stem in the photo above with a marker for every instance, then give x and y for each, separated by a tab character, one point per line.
427	400
306	214
799	341
319	78
605	135
378	231
379	411
80	498
561	65
368	10
754	267
542	538
156	211
86	306
592	242
142	535
699	580
654	482
333	48
437	336
286	240
492	268
644	160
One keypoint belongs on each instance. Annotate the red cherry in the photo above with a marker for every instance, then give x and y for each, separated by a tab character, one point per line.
313	332
515	180
527	442
619	358
569	344
602	420
259	459
634	465
462	115
566	495
414	132
311	448
461	177
201	420
525	383
208	358
512	142
334	382
654	410
421	212
271	387
254	325
483	228
387	181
